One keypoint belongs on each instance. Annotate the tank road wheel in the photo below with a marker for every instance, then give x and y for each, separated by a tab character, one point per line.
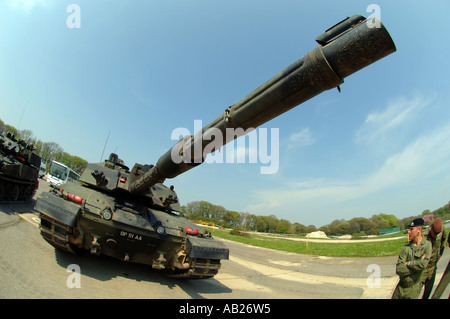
15	192
28	193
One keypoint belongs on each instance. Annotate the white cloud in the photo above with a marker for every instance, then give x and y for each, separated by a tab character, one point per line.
426	157
418	163
302	138
380	124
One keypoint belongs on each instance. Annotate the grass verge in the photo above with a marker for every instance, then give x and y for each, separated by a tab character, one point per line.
360	249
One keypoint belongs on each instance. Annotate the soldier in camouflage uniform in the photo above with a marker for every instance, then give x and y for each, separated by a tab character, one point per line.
436	235
413	259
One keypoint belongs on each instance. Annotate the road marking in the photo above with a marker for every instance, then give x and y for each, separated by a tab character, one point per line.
385	290
284	263
30	217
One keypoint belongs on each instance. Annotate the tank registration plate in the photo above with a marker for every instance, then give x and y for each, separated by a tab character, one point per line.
130	235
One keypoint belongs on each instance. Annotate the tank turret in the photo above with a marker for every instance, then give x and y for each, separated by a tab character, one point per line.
114	176
131	215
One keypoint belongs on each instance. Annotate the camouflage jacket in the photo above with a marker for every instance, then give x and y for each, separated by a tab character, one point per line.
437	244
410	275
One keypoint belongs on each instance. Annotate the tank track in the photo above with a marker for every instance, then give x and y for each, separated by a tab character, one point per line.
201	269
16	191
57	234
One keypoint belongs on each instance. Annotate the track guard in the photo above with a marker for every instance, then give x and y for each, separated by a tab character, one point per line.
206	248
57	208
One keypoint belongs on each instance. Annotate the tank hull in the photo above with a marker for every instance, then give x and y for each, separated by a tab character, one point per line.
136	234
19	168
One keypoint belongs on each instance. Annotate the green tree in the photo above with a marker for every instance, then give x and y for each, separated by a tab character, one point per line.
231	218
283	227
367	226
390	219
12	129
333	227
261	225
299	229
325	229
251	222
311	228
380	222
271	223
49	151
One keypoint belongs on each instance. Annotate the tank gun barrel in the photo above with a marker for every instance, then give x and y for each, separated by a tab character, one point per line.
342	50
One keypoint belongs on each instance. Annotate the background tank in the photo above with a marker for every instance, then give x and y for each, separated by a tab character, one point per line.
132	216
19	168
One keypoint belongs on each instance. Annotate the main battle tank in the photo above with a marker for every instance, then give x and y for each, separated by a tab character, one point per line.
132	216
19	168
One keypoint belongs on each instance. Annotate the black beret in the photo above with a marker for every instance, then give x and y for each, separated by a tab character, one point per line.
417	222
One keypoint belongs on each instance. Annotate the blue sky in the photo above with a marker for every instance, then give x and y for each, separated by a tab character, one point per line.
140	69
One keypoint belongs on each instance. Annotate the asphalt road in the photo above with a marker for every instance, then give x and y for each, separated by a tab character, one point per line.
31	268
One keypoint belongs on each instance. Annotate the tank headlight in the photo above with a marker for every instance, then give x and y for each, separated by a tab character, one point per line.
160	230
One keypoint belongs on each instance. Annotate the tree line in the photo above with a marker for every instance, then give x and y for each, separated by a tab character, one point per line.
48	151
357	227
